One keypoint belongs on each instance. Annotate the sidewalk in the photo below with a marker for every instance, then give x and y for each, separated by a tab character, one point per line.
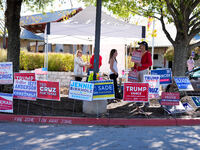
98	121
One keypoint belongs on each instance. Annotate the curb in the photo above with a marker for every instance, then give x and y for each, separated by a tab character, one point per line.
97	121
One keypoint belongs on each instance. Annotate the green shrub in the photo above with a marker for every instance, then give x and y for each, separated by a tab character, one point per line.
56	61
31	61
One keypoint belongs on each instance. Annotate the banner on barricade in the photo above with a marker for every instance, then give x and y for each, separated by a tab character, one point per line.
103	90
25	86
48	90
170	98
6	73
6	102
136	56
196	100
136	92
165	75
154	85
81	90
183	83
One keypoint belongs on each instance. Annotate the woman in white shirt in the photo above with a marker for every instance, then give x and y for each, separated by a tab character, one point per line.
114	71
78	65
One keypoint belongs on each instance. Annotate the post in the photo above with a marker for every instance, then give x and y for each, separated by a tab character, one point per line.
152	53
46	47
97	37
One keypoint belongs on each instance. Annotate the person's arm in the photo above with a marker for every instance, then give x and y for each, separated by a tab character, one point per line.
147	64
111	66
100	61
80	62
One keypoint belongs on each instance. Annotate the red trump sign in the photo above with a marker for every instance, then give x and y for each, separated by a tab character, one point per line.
136	92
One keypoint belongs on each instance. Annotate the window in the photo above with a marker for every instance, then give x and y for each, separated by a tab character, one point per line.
155	56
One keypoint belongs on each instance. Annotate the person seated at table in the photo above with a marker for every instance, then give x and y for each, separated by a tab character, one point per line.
78	65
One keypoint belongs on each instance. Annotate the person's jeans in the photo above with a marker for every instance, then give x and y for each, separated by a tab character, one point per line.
114	78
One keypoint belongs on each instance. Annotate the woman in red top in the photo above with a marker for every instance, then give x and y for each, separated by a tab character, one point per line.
146	61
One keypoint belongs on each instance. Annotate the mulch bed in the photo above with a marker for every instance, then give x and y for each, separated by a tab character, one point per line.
115	109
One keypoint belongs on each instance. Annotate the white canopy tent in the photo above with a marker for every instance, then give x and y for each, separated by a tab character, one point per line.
80	29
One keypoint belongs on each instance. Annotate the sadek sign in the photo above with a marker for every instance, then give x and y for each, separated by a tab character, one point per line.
136	92
103	89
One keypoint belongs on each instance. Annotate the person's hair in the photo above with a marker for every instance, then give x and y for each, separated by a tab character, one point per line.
190	57
145	44
111	54
78	51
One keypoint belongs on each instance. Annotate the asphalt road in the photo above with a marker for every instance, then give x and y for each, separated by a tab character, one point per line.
19	136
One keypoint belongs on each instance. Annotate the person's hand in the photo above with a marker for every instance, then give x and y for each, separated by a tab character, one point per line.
136	64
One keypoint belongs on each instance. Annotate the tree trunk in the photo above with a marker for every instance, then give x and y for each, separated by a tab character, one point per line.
180	58
12	15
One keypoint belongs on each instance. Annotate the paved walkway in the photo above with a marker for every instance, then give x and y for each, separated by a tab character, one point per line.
19	136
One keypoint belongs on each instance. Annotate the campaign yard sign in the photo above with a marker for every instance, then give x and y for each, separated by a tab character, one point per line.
103	90
24	76
6	73
25	86
136	92
6	102
136	56
165	75
187	106
81	90
170	98
196	100
42	71
154	85
48	90
133	76
183	83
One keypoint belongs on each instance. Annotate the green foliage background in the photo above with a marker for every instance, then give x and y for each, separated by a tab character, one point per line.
56	61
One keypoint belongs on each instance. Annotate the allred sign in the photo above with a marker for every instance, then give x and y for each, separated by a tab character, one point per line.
169	98
48	90
136	92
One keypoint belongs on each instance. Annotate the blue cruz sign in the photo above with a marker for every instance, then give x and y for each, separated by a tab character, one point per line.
103	89
165	75
183	83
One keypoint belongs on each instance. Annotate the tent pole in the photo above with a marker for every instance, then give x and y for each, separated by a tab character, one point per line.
46	48
153	44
